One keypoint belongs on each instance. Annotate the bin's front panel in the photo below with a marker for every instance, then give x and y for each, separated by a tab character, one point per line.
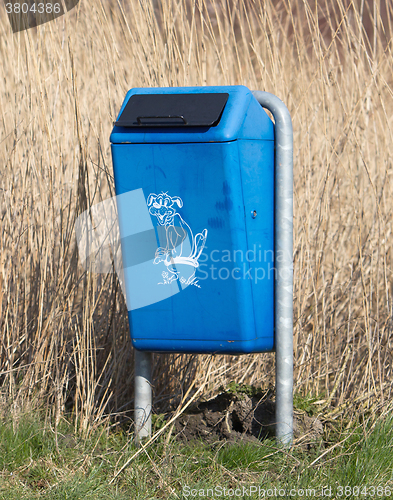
190	289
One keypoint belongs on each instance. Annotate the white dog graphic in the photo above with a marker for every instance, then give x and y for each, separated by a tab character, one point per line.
177	230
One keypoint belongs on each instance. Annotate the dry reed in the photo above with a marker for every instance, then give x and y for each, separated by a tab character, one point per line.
64	332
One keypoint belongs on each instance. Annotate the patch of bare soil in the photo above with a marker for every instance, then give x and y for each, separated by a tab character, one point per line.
237	416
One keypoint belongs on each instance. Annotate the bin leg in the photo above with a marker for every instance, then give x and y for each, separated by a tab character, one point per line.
143	395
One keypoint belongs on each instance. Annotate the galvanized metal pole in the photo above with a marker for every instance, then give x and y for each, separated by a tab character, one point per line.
283	262
143	395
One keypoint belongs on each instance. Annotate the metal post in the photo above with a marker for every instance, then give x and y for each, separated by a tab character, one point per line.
143	395
283	234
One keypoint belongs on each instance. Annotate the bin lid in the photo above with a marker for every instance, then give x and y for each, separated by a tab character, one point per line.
191	114
173	110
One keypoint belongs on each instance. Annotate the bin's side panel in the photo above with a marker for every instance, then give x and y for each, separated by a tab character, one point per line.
209	302
257	172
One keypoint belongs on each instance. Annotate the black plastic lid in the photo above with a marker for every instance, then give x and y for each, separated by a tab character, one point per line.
173	110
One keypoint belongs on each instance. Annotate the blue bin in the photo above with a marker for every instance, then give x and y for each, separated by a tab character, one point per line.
194	179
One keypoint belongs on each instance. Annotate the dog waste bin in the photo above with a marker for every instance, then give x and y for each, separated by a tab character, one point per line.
194	180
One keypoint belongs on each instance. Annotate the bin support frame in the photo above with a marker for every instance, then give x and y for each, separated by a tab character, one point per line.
283	243
143	362
283	292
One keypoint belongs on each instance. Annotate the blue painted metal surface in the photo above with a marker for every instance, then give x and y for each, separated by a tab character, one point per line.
196	215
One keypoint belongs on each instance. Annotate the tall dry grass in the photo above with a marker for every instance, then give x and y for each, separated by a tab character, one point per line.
64	337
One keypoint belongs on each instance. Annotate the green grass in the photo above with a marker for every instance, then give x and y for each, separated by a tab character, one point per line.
305	403
32	466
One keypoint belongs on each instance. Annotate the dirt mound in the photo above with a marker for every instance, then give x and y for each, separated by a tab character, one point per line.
238	416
